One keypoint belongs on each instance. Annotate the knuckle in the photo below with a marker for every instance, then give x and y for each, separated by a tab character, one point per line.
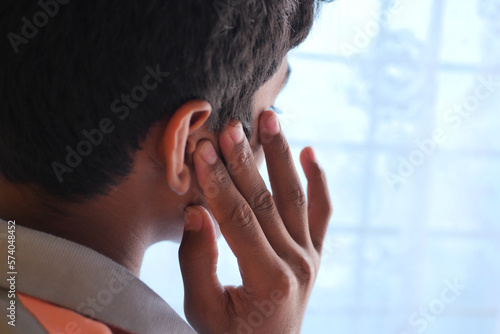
288	282
305	269
241	161
244	158
282	148
220	178
233	168
263	202
296	196
242	216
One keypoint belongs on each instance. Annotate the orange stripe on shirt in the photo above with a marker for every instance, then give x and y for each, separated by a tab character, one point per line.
59	320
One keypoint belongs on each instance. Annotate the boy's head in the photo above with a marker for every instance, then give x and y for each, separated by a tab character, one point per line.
89	88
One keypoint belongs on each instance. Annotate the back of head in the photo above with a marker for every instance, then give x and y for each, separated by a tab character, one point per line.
82	82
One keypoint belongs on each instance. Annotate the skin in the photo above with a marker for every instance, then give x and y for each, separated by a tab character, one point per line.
180	189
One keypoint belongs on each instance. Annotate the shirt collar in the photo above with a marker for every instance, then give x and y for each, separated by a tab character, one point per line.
78	278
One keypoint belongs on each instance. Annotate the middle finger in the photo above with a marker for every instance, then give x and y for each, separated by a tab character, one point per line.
246	177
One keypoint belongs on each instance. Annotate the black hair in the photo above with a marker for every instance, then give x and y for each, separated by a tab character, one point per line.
82	82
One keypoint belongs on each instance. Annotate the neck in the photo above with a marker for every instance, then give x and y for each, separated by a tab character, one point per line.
108	225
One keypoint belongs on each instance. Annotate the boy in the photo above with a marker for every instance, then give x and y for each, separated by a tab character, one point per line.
125	123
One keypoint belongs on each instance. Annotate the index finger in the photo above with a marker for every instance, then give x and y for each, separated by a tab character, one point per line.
238	224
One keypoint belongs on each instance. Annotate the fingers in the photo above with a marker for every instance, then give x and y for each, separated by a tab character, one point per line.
264	232
319	208
198	259
237	221
247	179
287	189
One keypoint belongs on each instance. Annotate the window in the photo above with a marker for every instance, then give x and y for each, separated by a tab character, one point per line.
401	101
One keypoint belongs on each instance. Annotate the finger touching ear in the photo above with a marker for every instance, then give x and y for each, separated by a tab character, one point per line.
175	139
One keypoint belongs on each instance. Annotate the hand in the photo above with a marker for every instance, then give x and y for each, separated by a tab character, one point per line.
277	238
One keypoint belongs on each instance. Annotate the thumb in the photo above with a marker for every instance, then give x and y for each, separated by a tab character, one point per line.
198	262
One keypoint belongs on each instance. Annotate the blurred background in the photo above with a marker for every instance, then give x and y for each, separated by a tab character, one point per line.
401	100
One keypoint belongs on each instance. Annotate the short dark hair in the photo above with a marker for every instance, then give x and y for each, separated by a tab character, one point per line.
70	65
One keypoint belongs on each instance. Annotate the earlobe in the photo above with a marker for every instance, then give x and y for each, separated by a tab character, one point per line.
172	149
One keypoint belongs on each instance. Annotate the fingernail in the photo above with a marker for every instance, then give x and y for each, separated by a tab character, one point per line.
193	220
273	125
208	153
236	134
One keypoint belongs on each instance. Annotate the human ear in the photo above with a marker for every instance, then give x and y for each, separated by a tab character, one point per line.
175	139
